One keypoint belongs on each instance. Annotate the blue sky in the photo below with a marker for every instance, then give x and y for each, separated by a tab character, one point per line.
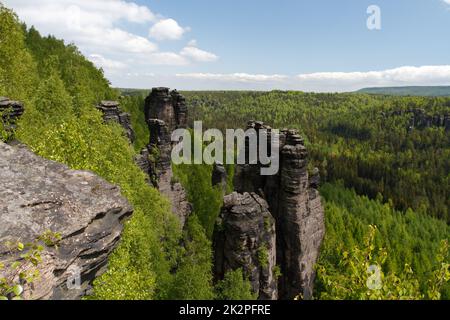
321	45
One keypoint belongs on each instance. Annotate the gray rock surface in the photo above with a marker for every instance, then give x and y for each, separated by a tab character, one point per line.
300	222
165	111
245	238
112	113
37	195
10	111
219	176
294	202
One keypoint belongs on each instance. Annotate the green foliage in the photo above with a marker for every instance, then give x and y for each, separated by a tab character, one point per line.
134	105
349	138
50	238
277	271
61	123
361	277
193	280
5	133
84	82
366	141
19	274
263	256
410	91
234	287
206	200
18	77
131	274
52	100
411	239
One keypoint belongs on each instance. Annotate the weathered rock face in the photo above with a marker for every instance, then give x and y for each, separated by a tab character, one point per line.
245	238
295	204
167	106
111	113
165	111
219	176
180	108
300	221
37	195
10	111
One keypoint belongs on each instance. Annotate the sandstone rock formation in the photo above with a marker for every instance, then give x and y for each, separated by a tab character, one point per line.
294	202
10	111
245	238
111	113
300	221
38	195
219	176
164	111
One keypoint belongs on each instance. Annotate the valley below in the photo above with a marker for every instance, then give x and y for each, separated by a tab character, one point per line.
92	207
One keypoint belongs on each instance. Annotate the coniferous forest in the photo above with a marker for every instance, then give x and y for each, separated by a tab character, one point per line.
384	164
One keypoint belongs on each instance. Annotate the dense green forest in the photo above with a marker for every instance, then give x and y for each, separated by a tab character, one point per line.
423	91
410	238
370	142
358	141
60	89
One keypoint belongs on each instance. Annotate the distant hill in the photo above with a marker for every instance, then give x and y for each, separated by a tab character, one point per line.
431	91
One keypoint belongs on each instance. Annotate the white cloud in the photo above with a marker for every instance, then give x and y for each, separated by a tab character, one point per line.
319	82
106	64
192	43
92	25
232	77
100	28
167	58
105	12
197	54
167	29
447	1
339	81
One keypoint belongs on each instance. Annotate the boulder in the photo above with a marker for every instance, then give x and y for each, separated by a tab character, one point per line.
39	195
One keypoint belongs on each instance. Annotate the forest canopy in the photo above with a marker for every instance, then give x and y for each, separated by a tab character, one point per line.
384	161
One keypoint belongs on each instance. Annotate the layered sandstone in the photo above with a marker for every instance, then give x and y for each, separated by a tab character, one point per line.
38	196
112	113
245	238
165	111
294	202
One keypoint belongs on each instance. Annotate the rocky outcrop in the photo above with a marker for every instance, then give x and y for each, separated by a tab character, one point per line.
300	221
219	177
167	106
39	195
112	113
165	111
420	119
294	202
180	108
245	238
10	111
